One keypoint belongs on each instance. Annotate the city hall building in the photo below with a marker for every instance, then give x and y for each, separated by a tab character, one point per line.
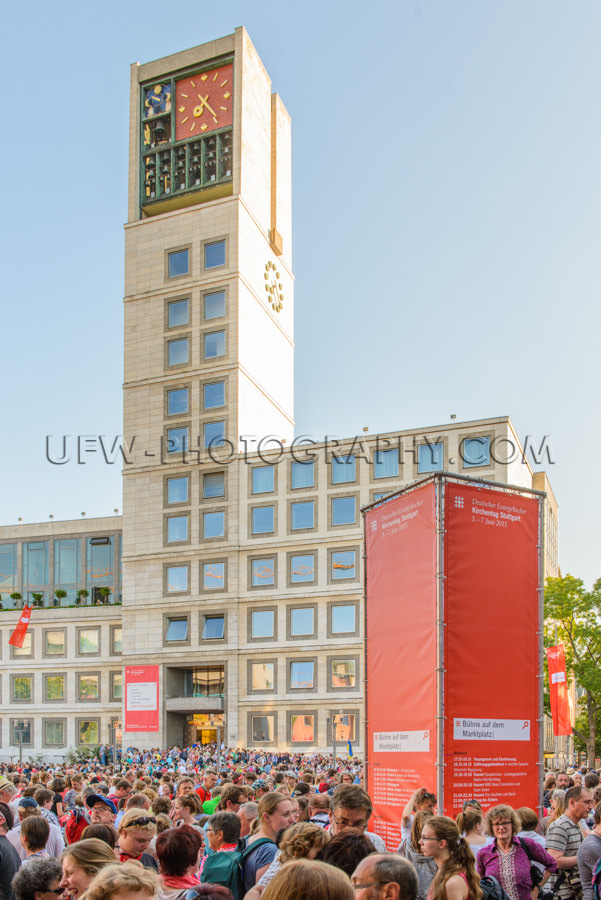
237	564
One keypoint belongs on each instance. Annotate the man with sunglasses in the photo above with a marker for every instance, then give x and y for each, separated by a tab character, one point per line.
350	810
384	876
136	830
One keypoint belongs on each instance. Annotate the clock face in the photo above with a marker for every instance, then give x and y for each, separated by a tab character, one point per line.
274	287
204	102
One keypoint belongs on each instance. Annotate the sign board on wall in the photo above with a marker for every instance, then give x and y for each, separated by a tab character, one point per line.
141	698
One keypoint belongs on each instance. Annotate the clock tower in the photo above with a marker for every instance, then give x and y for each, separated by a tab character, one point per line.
208	352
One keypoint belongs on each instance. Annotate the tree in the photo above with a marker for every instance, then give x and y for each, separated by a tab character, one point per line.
573	617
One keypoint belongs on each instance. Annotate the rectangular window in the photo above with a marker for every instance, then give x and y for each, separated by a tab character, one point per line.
215	305
27	648
177	579
213	628
262	623
213	576
88	687
177	630
178	263
379	496
214	344
302	675
302	568
54	643
54	732
177	529
386	463
213	524
22	688
262	519
177	402
262	571
54	687
475	452
430	457
214	395
116	640
178	352
343	564
262	676
343	510
177	490
343	469
213	485
302	729
21	728
303	475
344	726
302	621
262	729
343	673
344	619
302	515
8	568
116	686
214	254
87	731
88	640
177	440
214	434
177	313
263	479
35	563
67	562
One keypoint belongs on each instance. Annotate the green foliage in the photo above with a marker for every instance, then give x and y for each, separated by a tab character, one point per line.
573	618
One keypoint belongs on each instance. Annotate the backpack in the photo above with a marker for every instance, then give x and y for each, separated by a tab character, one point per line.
225	867
75	824
491	888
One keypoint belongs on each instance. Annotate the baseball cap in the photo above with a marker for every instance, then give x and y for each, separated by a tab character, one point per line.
27	803
95	798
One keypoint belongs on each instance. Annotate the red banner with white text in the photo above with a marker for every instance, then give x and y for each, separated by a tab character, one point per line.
141	698
400	601
17	638
558	690
492	650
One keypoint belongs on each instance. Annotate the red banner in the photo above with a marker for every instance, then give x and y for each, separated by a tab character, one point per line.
17	638
400	655
558	690
492	656
141	698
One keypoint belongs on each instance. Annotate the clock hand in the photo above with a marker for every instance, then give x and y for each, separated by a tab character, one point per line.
203	100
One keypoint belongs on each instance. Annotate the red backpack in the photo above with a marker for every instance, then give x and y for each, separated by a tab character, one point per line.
77	821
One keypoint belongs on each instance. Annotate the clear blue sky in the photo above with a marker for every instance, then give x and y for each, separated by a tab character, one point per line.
446	225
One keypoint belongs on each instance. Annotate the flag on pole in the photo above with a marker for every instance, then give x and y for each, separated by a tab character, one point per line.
350	749
17	638
558	690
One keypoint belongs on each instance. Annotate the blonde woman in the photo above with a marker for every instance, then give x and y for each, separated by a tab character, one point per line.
558	807
274	814
124	881
301	841
81	862
305	879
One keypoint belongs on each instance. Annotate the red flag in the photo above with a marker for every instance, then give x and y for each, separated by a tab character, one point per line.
558	690
17	638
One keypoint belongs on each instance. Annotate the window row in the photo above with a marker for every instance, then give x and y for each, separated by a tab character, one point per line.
87	687
264	623
178	350
179	311
88	642
302	675
213	255
302	727
65	563
54	732
178	398
343	565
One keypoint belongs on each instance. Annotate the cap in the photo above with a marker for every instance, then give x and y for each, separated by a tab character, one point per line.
27	803
100	798
4	783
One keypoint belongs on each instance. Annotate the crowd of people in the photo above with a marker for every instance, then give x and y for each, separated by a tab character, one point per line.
241	825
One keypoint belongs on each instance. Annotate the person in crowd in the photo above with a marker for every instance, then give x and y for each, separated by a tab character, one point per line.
231	798
456	877
247	814
209	780
300	841
178	852
45	798
470	823
102	810
421	799
210	892
509	859
274	813
58	788
351	808
346	850
129	881
81	862
34	834
106	833
411	849
40	879
135	832
385	876
187	808
9	858
557	808
589	854
548	788
529	822
28	807
305	879
319	809
564	838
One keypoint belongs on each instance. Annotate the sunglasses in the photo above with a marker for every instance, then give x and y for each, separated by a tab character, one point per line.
143	820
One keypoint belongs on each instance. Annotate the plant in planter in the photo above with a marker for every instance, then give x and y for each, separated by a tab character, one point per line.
16	598
82	596
59	594
38	599
105	593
